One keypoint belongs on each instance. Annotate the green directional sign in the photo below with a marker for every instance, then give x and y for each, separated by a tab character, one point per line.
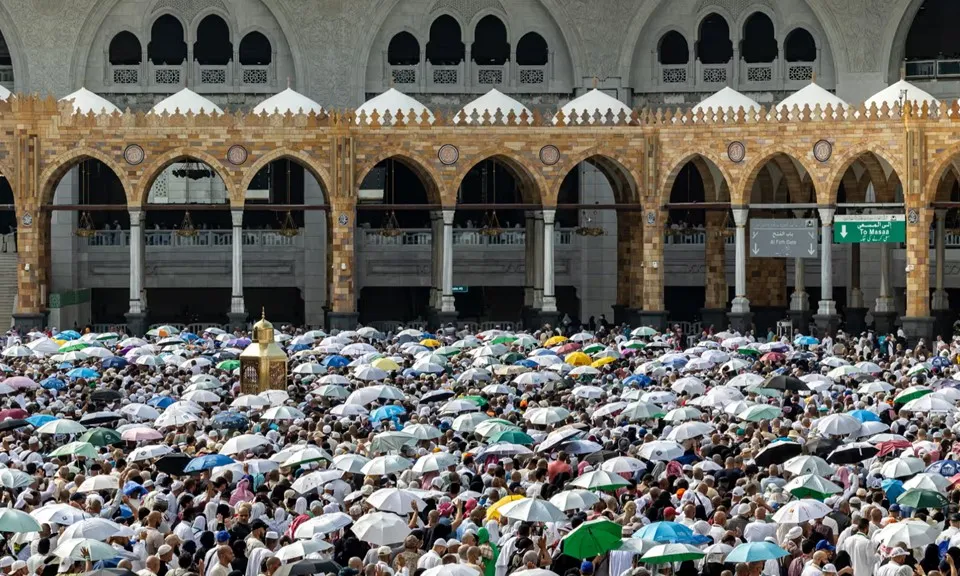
869	228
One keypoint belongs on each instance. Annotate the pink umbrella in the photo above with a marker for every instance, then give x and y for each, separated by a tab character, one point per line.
15	413
140	434
21	383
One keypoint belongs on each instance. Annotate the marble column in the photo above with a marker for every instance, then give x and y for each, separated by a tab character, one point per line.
741	319
136	314
238	310
884	309
549	296
529	256
436	260
826	318
538	260
447	304
714	312
855	313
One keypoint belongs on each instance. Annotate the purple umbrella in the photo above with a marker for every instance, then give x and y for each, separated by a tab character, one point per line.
238	343
21	383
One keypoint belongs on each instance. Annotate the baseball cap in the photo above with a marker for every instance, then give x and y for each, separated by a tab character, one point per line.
383	551
829	569
223	536
586	567
825	545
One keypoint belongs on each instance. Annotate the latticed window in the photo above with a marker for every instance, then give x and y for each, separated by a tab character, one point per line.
534	76
254	76
168	76
759	74
445	76
714	75
490	76
126	76
800	73
674	75
213	76
404	76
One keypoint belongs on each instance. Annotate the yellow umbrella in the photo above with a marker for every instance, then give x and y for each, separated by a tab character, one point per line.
578	359
554	341
602	362
386	364
430	343
493	512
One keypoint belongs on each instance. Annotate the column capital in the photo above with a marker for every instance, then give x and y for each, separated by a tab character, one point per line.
740	216
448	217
826	215
549	215
941	214
236	214
136	215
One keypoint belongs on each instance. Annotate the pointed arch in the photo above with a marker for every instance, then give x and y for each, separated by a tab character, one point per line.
317	171
623	175
753	170
666	184
844	162
429	177
533	187
153	170
58	167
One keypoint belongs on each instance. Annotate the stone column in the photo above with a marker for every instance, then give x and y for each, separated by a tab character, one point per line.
529	246
856	312
714	312
941	301
33	248
238	310
137	311
918	323
436	260
884	310
538	260
448	309
741	319
343	298
624	229
654	313
549	294
826	317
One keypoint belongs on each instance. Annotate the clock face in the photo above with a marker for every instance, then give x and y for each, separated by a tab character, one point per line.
343	219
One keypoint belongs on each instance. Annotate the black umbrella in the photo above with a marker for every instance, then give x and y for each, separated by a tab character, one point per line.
13	424
304	567
106	395
436	396
98	418
602	456
777	453
852	453
822	446
781	382
173	464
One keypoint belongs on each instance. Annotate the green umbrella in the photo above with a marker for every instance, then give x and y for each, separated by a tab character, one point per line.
594	348
73	347
759	412
912	393
101	437
748	351
919	498
635	345
668	553
513	437
592	539
12	520
228	365
447	351
812	486
108	336
478	400
511	357
85	449
643	331
504	339
526	340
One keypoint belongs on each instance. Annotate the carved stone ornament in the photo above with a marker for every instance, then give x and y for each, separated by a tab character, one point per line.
913	216
448	154
133	154
651	218
342	219
822	150
27	220
549	155
736	151
237	155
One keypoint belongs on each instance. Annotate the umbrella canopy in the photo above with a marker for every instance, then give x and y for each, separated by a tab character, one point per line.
381	528
592	538
669	553
812	486
755	552
800	511
532	510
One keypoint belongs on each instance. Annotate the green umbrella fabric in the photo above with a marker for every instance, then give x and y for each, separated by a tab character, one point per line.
513	437
635	345
812	486
511	357
912	393
748	351
592	539
759	412
478	400
84	449
668	553
447	351
101	437
919	498
228	365
594	348
73	347
504	339
644	331
12	520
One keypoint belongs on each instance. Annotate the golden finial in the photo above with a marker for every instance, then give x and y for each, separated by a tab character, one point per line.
595	82
263	313
288	82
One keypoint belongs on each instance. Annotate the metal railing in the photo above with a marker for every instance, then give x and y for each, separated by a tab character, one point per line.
461	237
693	236
931	69
202	239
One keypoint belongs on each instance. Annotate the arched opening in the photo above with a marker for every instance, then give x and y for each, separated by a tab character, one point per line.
445	47
532	50
490	46
167	46
396	181
688	188
404	50
800	46
213	46
932	34
255	50
125	50
713	41
97	234
673	49
759	42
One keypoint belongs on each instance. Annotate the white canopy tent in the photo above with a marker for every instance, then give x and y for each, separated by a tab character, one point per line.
592	102
85	101
722	101
489	103
186	101
892	94
392	100
288	101
811	95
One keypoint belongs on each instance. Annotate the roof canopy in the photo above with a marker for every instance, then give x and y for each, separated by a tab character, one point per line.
892	93
491	102
724	100
4	93
392	100
186	101
85	101
810	95
592	102
288	101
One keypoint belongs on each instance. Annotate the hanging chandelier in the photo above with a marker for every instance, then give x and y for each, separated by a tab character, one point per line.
85	228
491	224
391	227
187	229
289	227
589	226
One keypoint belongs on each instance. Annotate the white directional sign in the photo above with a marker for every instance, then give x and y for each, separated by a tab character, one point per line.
784	238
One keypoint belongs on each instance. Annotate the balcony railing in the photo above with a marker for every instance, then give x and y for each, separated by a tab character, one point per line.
203	239
468	77
164	79
948	68
212	75
167	76
461	237
695	75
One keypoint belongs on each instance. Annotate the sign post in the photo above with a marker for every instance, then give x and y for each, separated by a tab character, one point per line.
869	229
784	238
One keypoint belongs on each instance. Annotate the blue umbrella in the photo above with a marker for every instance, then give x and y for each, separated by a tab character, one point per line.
526	363
231	419
65	366
806	341
892	488
676	362
40	419
115	362
946	468
335	361
160	401
755	552
299	347
53	384
865	416
940	362
132	488
639	380
86	373
945	383
67	335
386	412
207	462
238	343
672	532
544	352
188	336
410	373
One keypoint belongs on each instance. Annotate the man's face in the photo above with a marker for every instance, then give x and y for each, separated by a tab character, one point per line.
243	516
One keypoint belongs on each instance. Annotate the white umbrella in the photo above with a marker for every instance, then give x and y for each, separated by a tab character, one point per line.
150	452
63	514
13	479
532	510
331	391
306	455
395	500
301	549
689	430
242	443
640	410
96	529
323	525
745	380
902	467
315	480
435	462
808	465
84	549
99	482
381	528
350	463
468	422
175	418
138	411
911	533
661	450
310	368
682	414
925	481
621	464
841	424
423	431
252	466
249	401
598	479
383	465
574	500
544	416
62	426
800	511
930	403
452	570
369	374
283	413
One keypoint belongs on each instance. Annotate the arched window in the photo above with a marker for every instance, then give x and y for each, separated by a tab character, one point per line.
673	49
5	59
932	34
799	46
759	42
532	50
125	50
255	50
446	46
404	50
213	46
166	47
713	43
490	44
